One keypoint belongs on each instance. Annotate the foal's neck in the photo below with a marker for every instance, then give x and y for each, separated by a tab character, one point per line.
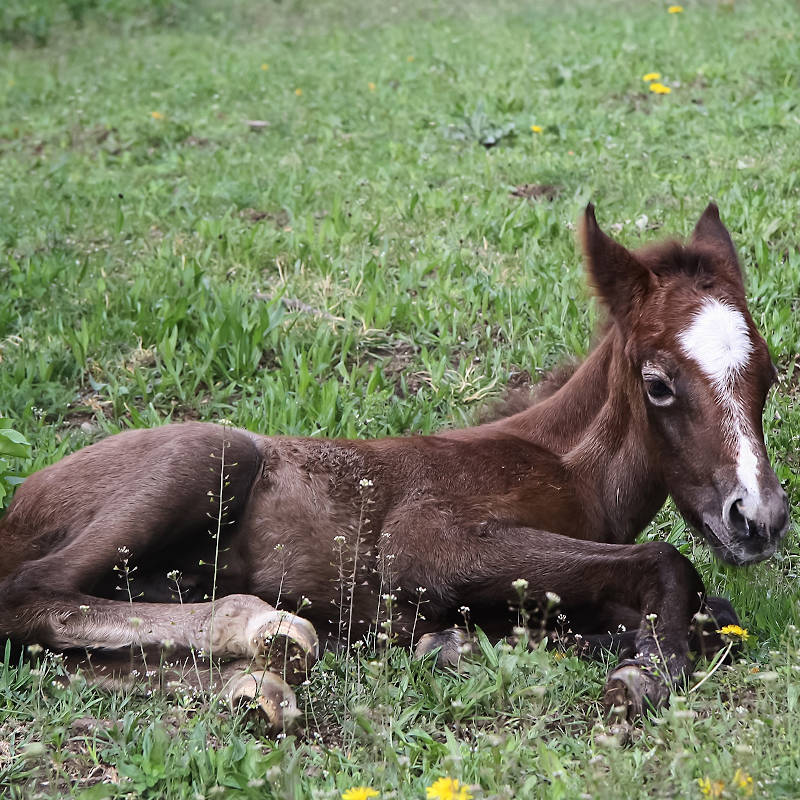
597	423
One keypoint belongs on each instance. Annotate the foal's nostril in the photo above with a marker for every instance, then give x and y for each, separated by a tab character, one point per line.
737	519
742	524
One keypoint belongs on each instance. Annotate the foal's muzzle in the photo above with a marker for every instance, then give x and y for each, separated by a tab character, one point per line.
751	526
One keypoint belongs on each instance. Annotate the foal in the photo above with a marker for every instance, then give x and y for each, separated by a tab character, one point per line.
668	402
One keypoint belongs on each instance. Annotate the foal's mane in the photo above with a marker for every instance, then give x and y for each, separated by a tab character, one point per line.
522	391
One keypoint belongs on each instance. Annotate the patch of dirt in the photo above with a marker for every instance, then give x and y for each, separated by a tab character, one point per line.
184	413
280	219
140	357
401	355
536	191
98	137
85	409
196	141
5	753
87	725
637	101
789	374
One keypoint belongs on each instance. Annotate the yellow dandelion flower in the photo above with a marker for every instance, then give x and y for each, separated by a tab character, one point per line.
298	92
359	793
709	788
735	630
537	128
447	789
371	86
659	88
156	115
652	76
410	59
675	10
743	782
265	67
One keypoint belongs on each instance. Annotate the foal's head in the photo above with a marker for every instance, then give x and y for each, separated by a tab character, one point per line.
702	372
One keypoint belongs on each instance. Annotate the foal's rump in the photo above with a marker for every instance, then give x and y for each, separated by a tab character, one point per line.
126	499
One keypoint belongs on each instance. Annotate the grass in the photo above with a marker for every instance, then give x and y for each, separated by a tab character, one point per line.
358	266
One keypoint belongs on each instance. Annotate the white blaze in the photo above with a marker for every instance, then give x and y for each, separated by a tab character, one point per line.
718	341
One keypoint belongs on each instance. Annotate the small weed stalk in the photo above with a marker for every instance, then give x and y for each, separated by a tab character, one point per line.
383	539
417	616
175	576
386	637
280	550
215	535
520	586
733	634
339	543
364	485
465	611
551	602
716	663
127	571
386	598
651	618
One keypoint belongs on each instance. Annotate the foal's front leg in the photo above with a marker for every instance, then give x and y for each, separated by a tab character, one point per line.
653	579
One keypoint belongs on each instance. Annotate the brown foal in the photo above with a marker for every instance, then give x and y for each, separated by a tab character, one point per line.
668	403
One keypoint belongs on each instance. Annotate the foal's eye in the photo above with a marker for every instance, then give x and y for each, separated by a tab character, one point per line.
659	392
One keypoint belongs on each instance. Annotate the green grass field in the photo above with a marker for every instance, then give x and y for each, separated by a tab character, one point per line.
289	215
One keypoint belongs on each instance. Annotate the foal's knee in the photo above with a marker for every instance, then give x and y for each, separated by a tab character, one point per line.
667	571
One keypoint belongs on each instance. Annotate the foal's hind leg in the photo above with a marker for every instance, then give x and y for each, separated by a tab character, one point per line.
233	627
144	491
261	692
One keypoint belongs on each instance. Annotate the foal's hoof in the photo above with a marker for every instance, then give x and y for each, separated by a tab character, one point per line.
267	695
450	643
631	690
284	643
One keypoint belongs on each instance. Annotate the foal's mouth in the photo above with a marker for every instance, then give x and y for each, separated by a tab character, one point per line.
730	553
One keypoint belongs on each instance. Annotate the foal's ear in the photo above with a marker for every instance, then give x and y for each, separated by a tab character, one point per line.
711	233
619	278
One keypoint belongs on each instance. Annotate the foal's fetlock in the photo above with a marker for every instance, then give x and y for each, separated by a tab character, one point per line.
284	643
452	644
632	689
266	694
